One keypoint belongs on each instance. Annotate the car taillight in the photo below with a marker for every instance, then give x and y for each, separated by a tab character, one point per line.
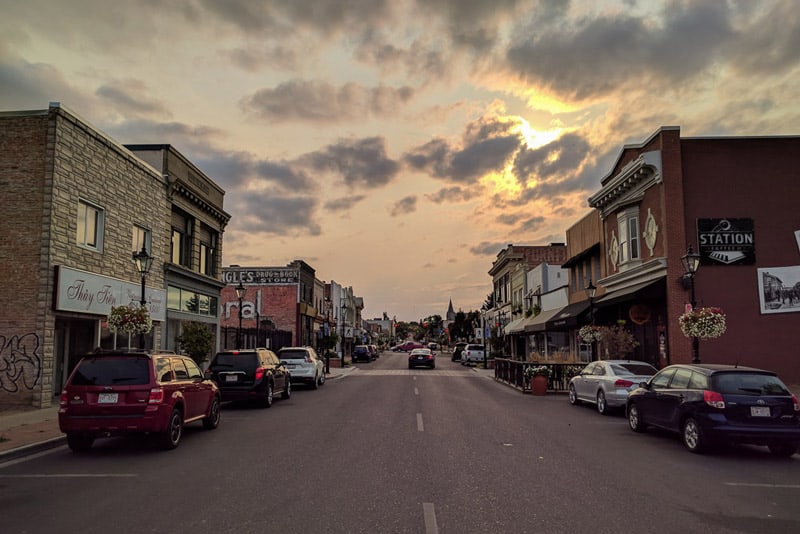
714	399
623	384
259	373
307	359
796	404
208	373
156	396
63	400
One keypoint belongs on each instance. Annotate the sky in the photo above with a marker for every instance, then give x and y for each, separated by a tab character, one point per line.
397	146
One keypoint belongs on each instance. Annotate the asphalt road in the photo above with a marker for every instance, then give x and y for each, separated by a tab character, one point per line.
386	449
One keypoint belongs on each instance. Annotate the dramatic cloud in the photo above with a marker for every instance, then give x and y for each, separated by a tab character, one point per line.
486	248
272	213
127	96
360	162
317	101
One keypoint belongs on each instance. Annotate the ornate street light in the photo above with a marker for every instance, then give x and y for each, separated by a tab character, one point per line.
143	262
591	291
240	293
691	262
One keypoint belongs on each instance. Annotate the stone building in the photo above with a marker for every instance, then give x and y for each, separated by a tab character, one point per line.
82	204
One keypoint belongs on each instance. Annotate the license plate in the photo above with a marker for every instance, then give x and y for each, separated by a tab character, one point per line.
107	398
290	365
231	378
759	411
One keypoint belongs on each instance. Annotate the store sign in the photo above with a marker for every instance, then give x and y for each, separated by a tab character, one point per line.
84	292
726	241
266	276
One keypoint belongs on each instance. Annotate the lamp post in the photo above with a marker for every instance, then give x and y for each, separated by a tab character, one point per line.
344	309
328	335
483	333
143	262
591	291
691	261
240	292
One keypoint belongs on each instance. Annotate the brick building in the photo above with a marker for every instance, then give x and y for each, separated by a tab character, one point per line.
733	199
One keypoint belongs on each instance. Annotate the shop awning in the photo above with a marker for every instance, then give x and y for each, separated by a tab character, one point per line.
642	289
568	316
516	326
537	323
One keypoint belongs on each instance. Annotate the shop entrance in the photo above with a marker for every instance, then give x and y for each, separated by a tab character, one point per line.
73	339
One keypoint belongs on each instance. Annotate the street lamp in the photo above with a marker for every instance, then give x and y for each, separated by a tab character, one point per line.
591	291
344	309
691	261
240	292
326	346
143	262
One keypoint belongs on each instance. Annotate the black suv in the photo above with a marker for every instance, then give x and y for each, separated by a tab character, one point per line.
457	350
250	375
118	392
362	353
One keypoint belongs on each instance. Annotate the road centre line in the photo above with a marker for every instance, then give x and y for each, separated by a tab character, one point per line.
74	475
420	426
430	518
416	391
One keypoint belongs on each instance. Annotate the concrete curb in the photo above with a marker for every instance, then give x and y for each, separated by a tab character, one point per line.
33	448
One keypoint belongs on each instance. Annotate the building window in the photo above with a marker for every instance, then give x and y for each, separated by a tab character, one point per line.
141	239
90	225
182	226
628	222
188	301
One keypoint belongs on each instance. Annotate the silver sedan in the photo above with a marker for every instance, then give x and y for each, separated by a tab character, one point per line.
607	383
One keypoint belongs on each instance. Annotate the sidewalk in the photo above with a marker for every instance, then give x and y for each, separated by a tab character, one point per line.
28	431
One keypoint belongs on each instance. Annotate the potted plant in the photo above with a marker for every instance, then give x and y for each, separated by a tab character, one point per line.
703	323
539	376
590	333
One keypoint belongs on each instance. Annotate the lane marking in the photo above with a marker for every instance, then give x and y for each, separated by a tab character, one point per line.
429	514
416	391
74	475
420	426
752	485
418	372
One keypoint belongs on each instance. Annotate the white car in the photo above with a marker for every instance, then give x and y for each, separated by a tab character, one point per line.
472	354
607	383
304	365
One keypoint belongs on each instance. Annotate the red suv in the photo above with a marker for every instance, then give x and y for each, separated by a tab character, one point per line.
111	393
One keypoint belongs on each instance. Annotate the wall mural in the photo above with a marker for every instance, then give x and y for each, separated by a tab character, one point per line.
20	362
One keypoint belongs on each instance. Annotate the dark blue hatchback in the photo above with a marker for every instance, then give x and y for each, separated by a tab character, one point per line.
718	405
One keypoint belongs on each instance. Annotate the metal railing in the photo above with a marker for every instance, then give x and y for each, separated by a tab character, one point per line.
512	373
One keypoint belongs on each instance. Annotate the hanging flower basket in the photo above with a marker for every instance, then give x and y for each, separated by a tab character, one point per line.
590	333
703	323
129	320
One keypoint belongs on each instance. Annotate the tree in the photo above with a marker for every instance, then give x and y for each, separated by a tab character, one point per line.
196	340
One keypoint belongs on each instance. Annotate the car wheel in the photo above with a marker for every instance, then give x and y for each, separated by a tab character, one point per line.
635	420
78	443
172	437
322	379
315	385
212	421
410	366
784	450
266	401
287	390
573	396
602	407
693	437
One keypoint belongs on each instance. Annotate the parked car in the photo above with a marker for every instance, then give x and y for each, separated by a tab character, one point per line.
421	358
304	365
361	353
250	375
607	383
718	405
472	354
457	350
111	393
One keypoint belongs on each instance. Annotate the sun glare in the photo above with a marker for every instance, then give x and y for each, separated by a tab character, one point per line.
534	138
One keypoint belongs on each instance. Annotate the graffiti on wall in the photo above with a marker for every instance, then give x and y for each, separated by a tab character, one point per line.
20	362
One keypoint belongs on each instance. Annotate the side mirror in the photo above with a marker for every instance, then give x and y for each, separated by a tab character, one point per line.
645	385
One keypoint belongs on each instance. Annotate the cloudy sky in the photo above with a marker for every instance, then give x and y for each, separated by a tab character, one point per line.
397	145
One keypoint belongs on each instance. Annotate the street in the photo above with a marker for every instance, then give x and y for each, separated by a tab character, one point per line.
386	449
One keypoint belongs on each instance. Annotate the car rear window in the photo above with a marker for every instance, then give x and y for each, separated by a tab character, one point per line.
748	384
237	360
474	347
112	372
292	354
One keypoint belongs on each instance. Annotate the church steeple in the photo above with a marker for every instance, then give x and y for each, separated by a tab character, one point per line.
451	315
